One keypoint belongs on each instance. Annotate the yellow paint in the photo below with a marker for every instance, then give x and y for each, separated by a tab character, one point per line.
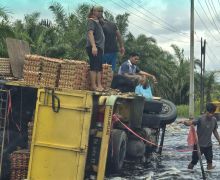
217	103
60	140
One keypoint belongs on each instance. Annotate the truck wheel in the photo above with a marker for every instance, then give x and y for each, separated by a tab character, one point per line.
119	146
167	115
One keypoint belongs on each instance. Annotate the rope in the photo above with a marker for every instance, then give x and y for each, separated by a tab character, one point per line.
10	111
116	118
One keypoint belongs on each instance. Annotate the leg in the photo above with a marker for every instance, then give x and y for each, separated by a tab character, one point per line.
113	57
195	158
134	78
104	59
92	63
99	81
209	156
93	77
99	70
110	58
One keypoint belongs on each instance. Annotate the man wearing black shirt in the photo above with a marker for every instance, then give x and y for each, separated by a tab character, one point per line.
112	36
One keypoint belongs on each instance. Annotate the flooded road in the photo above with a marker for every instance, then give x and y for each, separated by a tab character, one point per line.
172	164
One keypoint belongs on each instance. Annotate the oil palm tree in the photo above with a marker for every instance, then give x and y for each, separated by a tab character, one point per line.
5	31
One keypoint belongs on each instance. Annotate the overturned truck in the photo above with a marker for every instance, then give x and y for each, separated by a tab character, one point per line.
76	133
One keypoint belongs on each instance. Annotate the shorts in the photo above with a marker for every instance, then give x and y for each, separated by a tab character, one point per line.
110	58
207	151
95	62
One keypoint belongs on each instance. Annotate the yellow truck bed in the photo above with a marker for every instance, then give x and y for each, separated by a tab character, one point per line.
60	140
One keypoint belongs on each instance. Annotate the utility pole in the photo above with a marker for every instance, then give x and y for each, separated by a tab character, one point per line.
191	90
203	49
201	79
203	70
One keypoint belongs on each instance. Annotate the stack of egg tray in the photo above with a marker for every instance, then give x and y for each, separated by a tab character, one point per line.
50	72
61	74
74	75
32	68
41	71
30	131
5	69
107	76
19	164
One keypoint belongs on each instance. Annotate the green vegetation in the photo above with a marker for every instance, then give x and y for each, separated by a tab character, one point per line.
183	110
65	37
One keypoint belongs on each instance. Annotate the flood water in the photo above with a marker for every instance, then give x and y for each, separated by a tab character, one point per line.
172	164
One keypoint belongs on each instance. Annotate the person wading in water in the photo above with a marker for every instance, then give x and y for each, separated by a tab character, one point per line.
206	125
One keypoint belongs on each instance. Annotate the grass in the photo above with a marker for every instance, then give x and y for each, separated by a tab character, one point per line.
183	110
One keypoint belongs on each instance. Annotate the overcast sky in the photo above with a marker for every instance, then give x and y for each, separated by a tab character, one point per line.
168	21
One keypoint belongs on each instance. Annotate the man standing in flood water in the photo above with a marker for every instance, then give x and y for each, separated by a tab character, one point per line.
206	125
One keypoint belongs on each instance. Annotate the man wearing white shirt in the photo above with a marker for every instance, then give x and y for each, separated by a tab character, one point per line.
132	71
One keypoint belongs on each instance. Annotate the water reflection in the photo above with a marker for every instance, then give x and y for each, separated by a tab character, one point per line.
172	164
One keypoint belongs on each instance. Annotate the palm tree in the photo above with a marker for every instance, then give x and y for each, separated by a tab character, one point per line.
209	85
122	23
60	15
5	31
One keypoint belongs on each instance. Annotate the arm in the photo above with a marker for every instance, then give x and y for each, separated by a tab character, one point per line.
186	122
92	41
148	74
121	44
215	132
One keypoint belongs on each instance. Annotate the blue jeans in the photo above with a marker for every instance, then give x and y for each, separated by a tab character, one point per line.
110	58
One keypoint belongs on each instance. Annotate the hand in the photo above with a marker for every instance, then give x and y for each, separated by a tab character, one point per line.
154	79
181	122
122	51
94	51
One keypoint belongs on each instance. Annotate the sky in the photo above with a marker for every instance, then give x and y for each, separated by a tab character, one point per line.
168	21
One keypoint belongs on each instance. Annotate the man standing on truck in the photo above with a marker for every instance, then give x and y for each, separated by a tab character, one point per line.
130	69
95	47
112	35
206	125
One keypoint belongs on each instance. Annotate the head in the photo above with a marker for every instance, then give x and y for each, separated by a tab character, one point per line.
134	57
96	12
102	20
210	108
144	82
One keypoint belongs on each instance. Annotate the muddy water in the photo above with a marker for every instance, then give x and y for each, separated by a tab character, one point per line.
172	164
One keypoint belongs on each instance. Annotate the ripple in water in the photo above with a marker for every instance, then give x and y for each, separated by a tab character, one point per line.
172	165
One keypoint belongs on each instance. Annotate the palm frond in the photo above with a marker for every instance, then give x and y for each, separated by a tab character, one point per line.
59	13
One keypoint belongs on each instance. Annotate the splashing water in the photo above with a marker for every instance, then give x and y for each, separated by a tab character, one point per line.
172	164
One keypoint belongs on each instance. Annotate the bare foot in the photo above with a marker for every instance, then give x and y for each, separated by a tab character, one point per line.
100	88
94	88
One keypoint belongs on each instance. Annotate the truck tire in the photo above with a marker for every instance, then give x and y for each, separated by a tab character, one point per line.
151	120
135	148
169	113
153	106
119	147
166	116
